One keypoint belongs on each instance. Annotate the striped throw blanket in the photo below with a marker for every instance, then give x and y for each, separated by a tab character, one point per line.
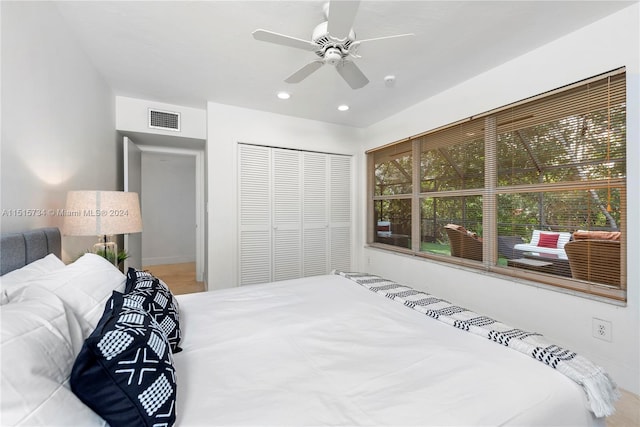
601	391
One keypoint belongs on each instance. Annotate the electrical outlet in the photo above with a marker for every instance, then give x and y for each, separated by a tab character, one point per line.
602	329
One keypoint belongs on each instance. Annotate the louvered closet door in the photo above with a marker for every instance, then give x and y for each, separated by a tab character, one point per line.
340	212
295	213
315	215
255	214
287	215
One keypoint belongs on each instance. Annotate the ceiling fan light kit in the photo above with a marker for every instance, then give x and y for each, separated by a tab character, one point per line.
334	41
332	56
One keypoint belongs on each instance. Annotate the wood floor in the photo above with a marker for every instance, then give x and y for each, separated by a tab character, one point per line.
627	411
181	279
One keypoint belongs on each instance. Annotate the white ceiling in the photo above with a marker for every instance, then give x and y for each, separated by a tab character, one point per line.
187	53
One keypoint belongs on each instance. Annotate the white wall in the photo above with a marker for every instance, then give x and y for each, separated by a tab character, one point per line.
226	127
567	319
168	200
58	122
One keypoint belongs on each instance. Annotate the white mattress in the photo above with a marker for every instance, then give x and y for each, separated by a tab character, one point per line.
325	351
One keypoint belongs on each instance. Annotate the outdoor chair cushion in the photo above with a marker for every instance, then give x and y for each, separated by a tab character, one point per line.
533	245
596	235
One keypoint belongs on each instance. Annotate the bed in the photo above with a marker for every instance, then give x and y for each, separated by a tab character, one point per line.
341	349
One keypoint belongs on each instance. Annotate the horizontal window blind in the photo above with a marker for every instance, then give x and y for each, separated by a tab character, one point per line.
393	169
482	190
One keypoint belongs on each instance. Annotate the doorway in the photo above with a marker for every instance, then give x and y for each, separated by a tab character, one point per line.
171	186
168	203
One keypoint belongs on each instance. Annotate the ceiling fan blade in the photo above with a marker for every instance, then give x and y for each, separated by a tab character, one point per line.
357	42
281	39
352	74
304	72
341	16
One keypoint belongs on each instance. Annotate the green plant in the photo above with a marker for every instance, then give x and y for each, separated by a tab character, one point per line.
109	255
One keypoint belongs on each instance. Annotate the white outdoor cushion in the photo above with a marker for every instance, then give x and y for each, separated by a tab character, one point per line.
526	247
563	238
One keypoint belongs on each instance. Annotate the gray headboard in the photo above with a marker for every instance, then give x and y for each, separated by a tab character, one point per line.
19	249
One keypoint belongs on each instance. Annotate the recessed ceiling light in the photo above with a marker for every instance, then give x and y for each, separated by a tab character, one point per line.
343	107
284	95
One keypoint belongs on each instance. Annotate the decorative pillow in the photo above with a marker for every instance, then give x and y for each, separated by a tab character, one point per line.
158	300
138	279
37	268
84	286
124	371
548	240
384	227
40	340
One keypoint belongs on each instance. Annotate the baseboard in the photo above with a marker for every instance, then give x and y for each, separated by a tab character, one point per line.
168	260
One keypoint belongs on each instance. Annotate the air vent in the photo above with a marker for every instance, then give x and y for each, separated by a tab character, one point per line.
166	120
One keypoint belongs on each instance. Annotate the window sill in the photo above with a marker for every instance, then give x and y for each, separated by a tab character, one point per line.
603	294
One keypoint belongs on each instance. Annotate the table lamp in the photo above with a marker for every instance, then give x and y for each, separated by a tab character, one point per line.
102	214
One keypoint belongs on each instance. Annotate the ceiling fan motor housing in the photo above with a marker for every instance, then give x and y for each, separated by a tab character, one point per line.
332	49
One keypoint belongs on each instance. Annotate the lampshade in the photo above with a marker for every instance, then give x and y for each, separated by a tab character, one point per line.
101	213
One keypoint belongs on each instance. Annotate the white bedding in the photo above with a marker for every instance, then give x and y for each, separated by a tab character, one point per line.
317	351
325	351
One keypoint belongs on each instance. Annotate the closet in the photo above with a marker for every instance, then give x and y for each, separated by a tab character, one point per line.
295	213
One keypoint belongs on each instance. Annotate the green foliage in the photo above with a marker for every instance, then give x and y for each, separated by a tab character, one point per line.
537	153
393	175
109	255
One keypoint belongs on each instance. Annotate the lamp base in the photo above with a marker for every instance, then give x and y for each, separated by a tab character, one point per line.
107	249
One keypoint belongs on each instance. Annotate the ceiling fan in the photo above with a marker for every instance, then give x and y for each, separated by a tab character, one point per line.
333	41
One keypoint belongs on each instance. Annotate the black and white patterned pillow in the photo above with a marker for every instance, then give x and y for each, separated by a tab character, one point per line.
158	300
125	371
138	279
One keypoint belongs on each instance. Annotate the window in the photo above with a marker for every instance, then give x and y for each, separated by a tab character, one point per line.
393	176
528	190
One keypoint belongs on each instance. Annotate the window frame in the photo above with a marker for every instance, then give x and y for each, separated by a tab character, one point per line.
489	194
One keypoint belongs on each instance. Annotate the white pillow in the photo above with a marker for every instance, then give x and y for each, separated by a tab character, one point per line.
40	341
84	286
30	271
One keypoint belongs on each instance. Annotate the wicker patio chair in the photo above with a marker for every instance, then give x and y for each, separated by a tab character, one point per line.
595	260
462	244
